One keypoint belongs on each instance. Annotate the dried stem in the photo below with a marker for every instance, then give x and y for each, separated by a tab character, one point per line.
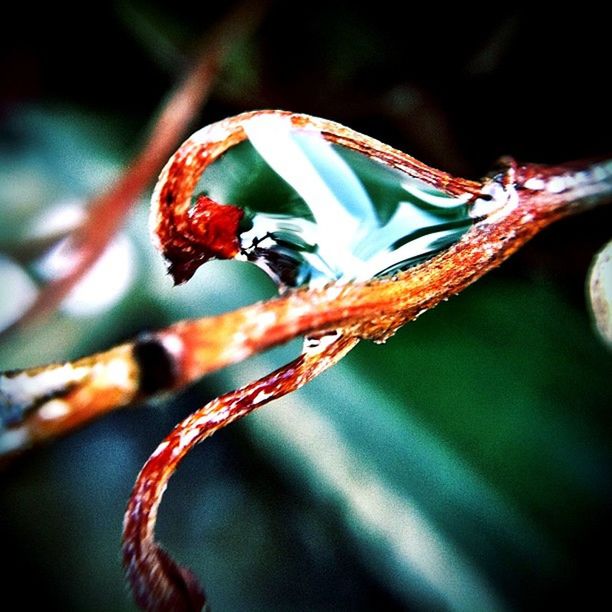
41	403
158	583
108	210
510	207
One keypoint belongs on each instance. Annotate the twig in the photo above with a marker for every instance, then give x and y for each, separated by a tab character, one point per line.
108	210
157	582
41	403
510	207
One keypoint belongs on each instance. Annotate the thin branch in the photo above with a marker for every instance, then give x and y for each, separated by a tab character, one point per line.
40	403
530	199
157	582
509	207
108	210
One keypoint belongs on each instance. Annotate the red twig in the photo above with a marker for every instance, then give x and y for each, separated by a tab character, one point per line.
158	583
525	200
510	207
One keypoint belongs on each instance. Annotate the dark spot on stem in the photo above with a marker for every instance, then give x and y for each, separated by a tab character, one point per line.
157	366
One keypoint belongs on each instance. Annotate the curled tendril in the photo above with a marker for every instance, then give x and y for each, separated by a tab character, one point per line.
158	583
508	207
189	235
511	206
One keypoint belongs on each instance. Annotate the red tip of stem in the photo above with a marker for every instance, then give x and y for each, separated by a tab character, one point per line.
212	234
217	226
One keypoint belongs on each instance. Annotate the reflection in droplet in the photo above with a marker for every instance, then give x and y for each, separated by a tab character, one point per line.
314	212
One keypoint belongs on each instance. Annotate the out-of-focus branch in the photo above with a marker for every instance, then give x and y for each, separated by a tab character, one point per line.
108	210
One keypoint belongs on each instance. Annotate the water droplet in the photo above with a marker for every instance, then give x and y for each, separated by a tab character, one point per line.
309	211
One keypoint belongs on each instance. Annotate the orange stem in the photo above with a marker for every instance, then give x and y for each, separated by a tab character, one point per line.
158	583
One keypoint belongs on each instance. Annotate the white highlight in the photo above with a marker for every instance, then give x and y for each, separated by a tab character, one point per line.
187	437
415	188
62	217
105	283
24	389
314	345
535	184
265	320
13	439
173	344
271	137
556	184
262	396
114	373
160	449
527	218
53	409
581	177
504	199
386	259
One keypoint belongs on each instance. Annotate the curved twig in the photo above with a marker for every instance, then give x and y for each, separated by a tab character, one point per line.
158	583
181	228
509	207
41	403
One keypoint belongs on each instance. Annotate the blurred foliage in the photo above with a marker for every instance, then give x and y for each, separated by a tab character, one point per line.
465	464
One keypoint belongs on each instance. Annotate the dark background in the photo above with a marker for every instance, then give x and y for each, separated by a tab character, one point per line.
510	376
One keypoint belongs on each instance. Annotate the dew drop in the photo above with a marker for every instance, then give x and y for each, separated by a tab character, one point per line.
313	211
